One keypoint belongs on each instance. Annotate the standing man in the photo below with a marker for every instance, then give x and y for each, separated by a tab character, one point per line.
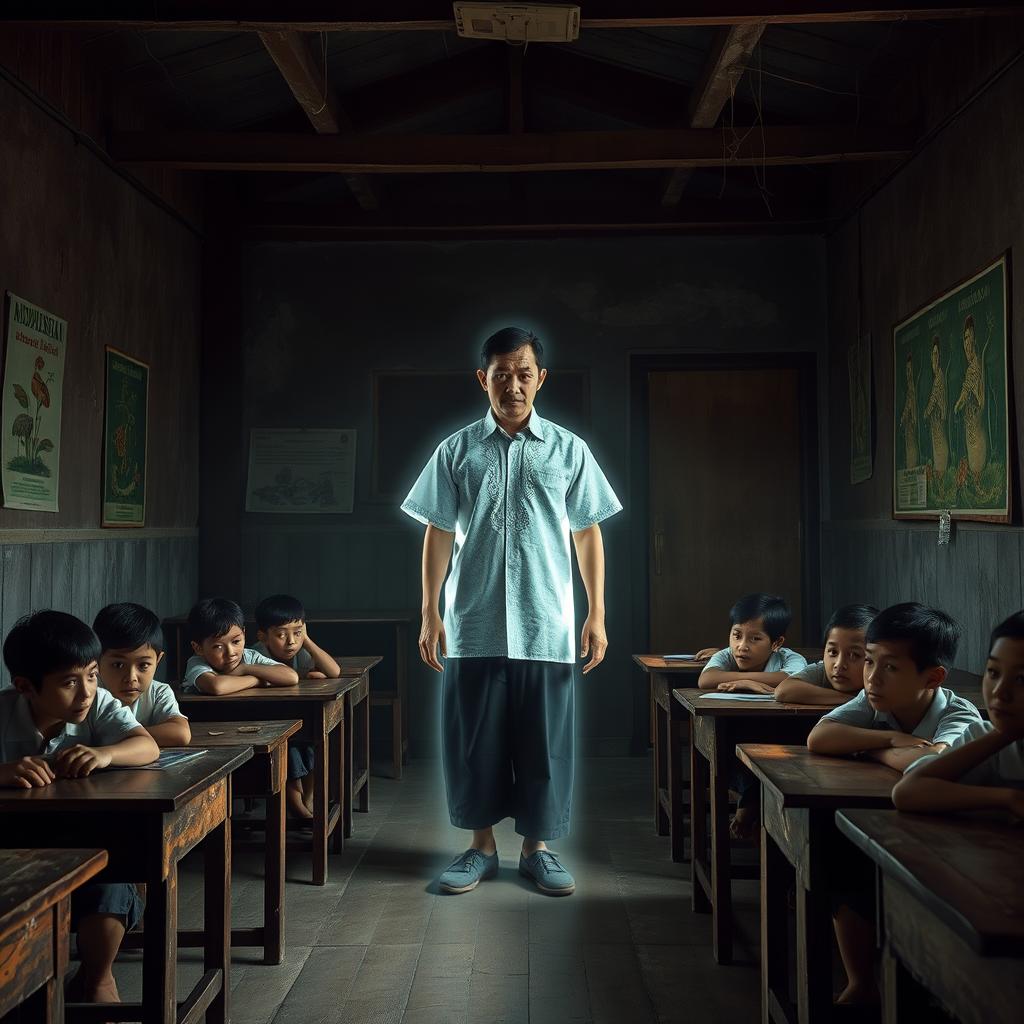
504	494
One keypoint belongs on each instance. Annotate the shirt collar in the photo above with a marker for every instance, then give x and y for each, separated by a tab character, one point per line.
26	726
535	426
927	727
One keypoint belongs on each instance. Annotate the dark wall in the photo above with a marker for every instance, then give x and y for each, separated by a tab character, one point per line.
956	206
319	319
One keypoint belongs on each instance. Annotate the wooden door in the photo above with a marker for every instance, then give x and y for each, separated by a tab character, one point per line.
725	500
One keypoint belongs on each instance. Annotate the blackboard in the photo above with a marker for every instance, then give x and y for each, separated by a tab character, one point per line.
414	410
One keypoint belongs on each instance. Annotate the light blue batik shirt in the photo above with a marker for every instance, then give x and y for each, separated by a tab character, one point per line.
512	503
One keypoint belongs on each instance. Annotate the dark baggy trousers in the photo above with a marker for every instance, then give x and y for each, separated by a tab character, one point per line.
507	739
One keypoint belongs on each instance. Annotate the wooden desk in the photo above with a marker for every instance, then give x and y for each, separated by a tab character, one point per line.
800	793
320	705
35	913
357	735
148	821
952	896
716	727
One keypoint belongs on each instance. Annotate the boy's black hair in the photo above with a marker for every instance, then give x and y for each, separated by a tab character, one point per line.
126	626
1011	627
213	616
850	616
46	642
772	610
279	609
509	339
932	635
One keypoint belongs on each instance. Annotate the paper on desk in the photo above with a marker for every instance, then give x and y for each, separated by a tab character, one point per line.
737	696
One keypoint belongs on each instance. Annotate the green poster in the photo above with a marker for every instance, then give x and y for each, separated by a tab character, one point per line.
950	414
124	441
31	406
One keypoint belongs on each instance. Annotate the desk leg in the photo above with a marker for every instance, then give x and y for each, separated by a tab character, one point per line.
674	742
217	916
401	680
160	941
321	767
698	825
902	997
661	769
364	757
721	874
774	929
273	867
813	942
350	758
338	791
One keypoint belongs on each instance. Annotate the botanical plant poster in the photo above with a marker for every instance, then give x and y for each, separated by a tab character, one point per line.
31	406
124	440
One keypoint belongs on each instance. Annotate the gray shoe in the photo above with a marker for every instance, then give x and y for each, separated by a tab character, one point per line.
468	870
547	873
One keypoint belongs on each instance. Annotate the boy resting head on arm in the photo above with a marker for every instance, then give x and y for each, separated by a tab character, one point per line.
283	636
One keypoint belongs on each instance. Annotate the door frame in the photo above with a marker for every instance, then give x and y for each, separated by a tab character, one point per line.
642	364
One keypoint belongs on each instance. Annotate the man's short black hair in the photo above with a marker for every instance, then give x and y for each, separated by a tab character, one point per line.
278	610
125	626
932	636
213	616
1011	627
772	610
851	616
46	642
509	339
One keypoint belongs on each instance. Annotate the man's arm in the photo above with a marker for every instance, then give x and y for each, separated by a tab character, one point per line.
437	553
590	556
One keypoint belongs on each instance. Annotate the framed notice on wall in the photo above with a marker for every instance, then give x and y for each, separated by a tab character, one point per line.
125	423
31	406
951	422
301	471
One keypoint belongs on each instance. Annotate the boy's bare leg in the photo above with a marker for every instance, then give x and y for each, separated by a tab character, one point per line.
293	798
483	840
307	791
745	823
857	948
99	939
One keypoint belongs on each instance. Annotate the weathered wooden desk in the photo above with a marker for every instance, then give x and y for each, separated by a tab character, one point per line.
716	726
147	821
952	899
35	912
800	793
320	705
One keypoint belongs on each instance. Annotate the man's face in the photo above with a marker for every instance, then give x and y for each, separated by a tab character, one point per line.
284	642
512	382
63	696
222	653
128	674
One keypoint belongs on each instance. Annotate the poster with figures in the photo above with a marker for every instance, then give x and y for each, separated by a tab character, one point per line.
858	364
951	419
304	471
31	406
124	440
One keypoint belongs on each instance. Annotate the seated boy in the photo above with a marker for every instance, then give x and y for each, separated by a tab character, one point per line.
984	768
902	713
755	660
133	647
222	664
55	723
282	634
840	674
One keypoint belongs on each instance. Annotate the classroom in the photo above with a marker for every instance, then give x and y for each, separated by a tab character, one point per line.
510	513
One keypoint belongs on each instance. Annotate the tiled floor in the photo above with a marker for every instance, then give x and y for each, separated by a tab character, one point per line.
379	944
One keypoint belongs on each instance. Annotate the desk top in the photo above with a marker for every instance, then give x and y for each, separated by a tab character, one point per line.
803	779
267	734
321	690
697	703
357	665
968	871
32	880
342	617
656	663
128	790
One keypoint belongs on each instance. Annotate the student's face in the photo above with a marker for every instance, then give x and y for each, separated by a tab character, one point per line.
751	646
222	653
128	674
892	679
844	659
1003	685
284	642
64	696
512	382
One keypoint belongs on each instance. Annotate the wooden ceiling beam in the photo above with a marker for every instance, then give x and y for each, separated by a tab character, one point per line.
304	77
555	151
436	15
726	63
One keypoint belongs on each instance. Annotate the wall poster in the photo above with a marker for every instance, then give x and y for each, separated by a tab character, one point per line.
125	423
951	421
31	406
304	471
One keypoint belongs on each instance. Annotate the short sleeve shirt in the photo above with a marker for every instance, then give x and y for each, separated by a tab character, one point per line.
156	705
108	722
512	503
815	675
782	660
196	667
944	722
1004	768
302	662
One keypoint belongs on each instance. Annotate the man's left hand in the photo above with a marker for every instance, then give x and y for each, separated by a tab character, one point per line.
593	642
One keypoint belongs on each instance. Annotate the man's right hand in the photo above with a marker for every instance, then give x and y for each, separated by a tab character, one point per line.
26	773
431	637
